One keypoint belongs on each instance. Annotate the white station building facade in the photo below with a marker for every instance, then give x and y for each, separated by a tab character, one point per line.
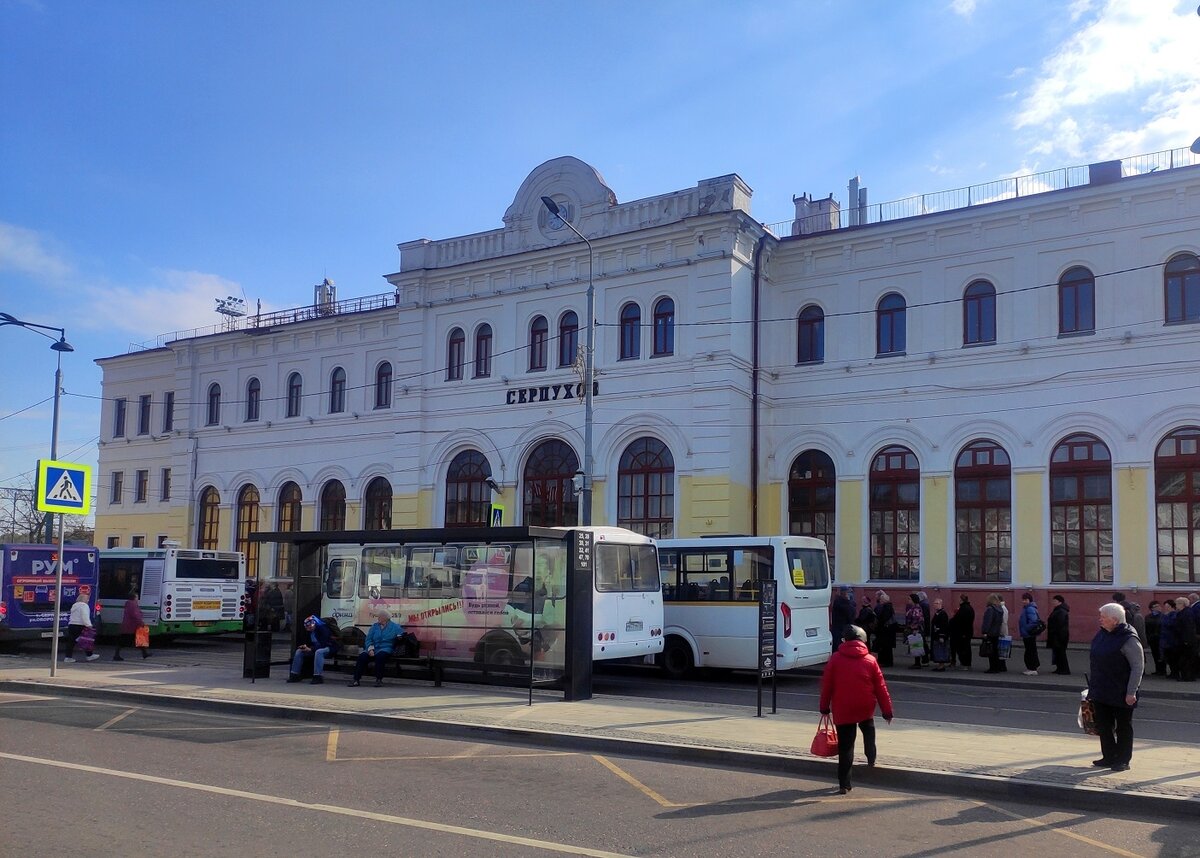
989	390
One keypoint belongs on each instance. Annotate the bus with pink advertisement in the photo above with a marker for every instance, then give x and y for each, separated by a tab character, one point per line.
28	575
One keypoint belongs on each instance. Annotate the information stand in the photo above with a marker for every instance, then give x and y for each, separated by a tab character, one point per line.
767	612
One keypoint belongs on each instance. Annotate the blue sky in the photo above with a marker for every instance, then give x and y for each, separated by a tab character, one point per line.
155	156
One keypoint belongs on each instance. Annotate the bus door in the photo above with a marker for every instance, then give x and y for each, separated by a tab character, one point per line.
152	589
339	593
805	588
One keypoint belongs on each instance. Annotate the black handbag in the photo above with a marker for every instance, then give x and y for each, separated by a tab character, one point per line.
986	646
1036	629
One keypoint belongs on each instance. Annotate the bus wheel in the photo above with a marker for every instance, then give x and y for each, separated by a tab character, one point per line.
502	653
676	658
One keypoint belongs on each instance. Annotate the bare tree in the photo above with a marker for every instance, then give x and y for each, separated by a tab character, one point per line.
21	521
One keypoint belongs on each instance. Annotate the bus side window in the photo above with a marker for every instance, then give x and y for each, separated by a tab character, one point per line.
668	574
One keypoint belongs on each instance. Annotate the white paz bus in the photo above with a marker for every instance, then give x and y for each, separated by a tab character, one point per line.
496	600
710	601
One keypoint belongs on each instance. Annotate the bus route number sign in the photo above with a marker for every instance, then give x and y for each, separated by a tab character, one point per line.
583	551
768	589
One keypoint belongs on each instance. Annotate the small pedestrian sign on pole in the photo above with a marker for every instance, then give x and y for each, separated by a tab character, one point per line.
497	516
64	487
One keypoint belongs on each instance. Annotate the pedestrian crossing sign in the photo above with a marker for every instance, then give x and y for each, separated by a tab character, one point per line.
64	487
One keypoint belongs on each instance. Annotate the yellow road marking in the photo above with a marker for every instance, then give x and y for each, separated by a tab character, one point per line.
114	720
1037	823
478	834
634	782
331	745
452	757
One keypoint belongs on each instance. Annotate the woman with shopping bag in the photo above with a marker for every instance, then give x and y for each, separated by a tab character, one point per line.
850	688
134	632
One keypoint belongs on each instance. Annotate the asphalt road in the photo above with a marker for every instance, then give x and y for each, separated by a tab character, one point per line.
140	781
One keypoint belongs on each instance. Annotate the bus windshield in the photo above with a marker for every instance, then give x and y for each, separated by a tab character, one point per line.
809	568
626	568
208	568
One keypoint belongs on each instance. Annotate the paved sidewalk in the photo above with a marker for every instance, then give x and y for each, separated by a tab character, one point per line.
982	762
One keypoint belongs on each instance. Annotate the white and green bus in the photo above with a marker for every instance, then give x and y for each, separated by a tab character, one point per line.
181	591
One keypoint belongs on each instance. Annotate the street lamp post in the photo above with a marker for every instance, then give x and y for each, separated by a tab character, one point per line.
59	346
589	369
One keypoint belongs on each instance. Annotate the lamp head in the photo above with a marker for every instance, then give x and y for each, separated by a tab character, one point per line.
551	206
62	345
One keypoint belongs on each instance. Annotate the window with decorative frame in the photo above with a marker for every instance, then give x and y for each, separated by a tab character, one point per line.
377	505
383	385
1177	507
483	351
209	531
337	391
295	394
812	499
810	335
568	338
288	518
247	522
548	496
539	335
646	489
891	325
1181	288
664	327
1076	301
468	497
456	355
631	331
983	514
119	406
214	404
333	506
253	399
895	507
1081	513
144	414
979	314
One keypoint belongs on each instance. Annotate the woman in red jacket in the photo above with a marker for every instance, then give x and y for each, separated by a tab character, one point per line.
851	686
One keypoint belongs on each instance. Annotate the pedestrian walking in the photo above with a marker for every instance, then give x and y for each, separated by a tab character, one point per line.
914	627
1058	635
851	686
131	621
885	628
841	614
1029	626
992	629
962	632
1116	664
939	637
78	622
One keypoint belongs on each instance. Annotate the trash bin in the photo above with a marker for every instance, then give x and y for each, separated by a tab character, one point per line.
256	662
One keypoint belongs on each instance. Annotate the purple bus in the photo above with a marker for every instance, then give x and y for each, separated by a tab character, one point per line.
27	581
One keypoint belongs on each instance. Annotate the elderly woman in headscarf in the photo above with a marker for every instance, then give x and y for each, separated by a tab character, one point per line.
885	628
321	644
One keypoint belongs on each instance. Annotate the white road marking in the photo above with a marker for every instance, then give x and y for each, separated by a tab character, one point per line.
114	720
546	845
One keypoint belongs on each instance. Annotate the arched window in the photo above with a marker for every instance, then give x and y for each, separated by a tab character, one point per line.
646	489
468	497
333	506
253	398
890	333
539	333
1177	506
214	404
1076	301
568	339
664	327
287	520
810	335
1181	284
209	531
631	331
1081	527
456	348
337	391
247	523
983	514
483	351
895	515
383	385
549	498
979	313
812	498
377	505
295	394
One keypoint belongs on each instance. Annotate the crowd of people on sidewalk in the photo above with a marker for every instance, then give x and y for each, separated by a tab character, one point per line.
1168	632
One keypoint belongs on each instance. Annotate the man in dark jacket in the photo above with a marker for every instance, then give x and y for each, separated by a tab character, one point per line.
1185	630
841	614
1154	637
1058	634
962	631
1117	663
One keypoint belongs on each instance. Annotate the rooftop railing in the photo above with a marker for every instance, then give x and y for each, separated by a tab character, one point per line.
974	195
265	321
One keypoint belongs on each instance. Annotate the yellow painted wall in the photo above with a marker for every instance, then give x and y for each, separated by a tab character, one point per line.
770	509
353	515
712	505
935	500
147	524
1029	500
849	538
599	509
308	516
1132	487
411	509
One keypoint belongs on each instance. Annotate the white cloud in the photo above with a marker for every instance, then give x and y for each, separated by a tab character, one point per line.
963	8
28	252
176	301
1125	83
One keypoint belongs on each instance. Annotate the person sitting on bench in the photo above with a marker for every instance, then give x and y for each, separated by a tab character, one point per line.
380	643
321	644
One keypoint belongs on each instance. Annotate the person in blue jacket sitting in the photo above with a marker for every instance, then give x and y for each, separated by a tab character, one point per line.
380	643
320	646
